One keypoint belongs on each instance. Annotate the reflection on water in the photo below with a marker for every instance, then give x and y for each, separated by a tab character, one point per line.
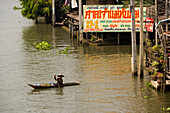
57	91
104	72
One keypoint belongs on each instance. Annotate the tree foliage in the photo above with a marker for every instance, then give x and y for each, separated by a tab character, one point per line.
31	9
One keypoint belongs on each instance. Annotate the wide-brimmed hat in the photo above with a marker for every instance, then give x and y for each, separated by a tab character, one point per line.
60	75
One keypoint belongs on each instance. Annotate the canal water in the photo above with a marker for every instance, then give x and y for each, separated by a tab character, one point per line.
107	85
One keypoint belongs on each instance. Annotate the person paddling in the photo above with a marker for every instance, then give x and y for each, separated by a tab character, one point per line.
59	79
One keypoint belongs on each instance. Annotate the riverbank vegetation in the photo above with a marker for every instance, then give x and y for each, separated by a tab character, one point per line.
32	9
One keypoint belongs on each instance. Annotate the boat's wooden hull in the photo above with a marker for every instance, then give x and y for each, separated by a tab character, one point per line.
53	86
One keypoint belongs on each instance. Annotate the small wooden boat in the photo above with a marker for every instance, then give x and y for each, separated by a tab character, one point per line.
52	85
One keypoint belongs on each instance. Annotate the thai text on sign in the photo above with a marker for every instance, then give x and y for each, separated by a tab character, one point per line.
109	18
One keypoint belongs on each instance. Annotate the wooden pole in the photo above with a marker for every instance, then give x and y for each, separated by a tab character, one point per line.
118	38
77	36
141	40
80	21
166	10
133	35
166	66
156	21
72	29
53	12
86	37
96	35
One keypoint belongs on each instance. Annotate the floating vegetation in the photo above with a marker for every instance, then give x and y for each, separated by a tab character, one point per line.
166	109
65	51
146	97
42	46
91	59
148	84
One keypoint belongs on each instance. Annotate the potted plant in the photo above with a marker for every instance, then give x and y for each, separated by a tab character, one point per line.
148	42
154	76
155	64
161	57
159	78
156	48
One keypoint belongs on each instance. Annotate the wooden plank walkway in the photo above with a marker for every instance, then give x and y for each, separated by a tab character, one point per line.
73	16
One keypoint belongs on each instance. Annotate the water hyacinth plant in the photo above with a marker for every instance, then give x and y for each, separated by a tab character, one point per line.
65	51
42	46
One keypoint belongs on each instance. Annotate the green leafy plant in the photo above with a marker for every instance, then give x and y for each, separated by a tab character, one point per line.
161	56
160	75
146	97
148	84
155	64
91	59
154	76
66	8
65	51
148	42
156	48
17	8
31	9
93	38
42	46
166	109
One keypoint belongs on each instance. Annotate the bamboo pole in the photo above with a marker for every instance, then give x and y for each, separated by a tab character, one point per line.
156	21
133	35
141	40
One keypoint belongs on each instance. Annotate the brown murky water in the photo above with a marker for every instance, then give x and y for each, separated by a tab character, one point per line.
107	85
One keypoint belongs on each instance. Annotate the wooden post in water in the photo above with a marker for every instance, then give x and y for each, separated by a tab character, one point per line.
166	64
53	12
118	38
86	37
133	36
80	21
156	21
77	36
141	40
72	29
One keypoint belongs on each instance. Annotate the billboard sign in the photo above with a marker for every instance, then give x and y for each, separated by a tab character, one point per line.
109	18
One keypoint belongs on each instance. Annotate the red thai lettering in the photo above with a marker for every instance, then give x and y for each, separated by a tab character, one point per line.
87	14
